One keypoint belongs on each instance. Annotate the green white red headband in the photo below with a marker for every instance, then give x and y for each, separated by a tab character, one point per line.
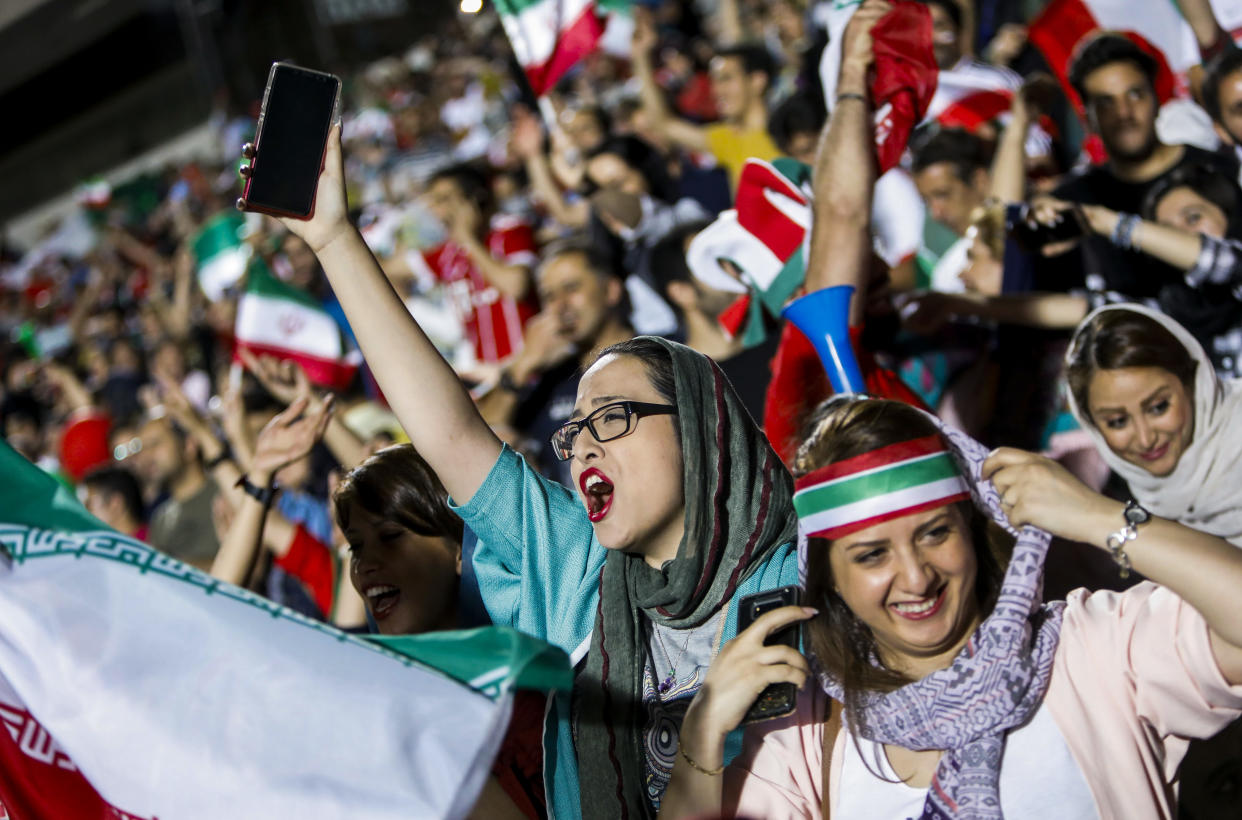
869	489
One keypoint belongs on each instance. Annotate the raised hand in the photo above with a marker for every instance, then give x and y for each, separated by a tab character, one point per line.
856	41
285	379
289	436
331	217
1038	491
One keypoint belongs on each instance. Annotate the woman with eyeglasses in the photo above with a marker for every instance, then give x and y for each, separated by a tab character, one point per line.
679	509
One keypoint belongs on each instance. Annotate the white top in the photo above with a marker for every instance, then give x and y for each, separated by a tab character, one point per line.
1039	779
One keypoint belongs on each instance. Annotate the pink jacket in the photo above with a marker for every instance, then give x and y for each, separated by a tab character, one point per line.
1134	679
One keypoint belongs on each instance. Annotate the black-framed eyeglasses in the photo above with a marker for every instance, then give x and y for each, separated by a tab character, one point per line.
608	422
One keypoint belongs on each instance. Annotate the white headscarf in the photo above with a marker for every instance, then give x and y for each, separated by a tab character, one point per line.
1204	491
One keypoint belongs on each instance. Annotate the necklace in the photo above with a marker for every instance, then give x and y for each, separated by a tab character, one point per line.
671	676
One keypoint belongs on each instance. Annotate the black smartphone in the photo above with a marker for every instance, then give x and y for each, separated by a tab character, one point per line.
1031	236
780	698
299	108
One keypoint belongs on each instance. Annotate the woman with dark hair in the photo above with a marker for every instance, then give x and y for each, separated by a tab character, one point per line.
960	694
679	508
1161	417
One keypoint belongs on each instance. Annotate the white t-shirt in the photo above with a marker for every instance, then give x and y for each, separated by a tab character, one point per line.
1039	779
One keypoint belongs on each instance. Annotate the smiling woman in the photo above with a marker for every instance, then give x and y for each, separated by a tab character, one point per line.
965	695
1163	420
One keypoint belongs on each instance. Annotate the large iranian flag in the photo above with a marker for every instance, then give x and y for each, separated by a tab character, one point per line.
274	318
550	36
134	686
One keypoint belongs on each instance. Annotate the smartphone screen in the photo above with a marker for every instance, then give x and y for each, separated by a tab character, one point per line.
298	109
779	698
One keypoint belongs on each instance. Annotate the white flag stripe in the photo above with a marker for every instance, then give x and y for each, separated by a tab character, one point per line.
535	30
880	504
1157	20
292	326
190	704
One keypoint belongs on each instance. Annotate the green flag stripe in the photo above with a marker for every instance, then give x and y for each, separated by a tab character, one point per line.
261	281
892	479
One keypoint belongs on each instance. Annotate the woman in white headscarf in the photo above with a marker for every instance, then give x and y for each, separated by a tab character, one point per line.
1147	393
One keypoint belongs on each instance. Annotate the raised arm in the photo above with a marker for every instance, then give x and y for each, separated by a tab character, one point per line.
662	121
420	386
1205	571
286	380
845	171
289	436
527	142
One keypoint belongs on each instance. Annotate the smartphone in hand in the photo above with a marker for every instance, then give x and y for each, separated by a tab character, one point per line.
299	107
779	699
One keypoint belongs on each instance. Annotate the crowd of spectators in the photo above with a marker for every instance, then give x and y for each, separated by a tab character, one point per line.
525	236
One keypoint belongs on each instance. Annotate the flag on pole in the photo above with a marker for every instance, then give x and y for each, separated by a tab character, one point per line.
277	319
550	36
134	686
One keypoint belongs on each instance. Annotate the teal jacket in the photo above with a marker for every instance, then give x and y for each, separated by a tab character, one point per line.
538	566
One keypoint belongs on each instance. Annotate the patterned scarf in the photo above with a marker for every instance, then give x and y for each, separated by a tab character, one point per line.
738	510
995	683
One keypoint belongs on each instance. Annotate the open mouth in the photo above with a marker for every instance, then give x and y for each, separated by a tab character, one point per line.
596	493
920	610
382	599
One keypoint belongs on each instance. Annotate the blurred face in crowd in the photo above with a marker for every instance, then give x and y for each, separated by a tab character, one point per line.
301	260
22	434
1230	126
163	455
580	299
631	486
124	357
169	361
984	272
1145	415
946	40
443	198
1183	208
949	198
1121	107
583	130
911	581
108	508
733	89
408	581
611	171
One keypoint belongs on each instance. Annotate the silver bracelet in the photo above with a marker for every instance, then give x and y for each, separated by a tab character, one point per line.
1123	233
1134	515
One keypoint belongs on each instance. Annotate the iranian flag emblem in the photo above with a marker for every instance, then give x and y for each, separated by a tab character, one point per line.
277	319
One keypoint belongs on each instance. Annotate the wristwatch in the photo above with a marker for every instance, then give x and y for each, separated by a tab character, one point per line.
1134	515
263	495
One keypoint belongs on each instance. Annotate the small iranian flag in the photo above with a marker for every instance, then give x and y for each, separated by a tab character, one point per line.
550	36
277	319
133	686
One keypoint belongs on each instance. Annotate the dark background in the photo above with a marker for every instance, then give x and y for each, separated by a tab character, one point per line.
86	85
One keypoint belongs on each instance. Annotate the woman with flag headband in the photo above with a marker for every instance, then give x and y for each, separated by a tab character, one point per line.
682	508
963	696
